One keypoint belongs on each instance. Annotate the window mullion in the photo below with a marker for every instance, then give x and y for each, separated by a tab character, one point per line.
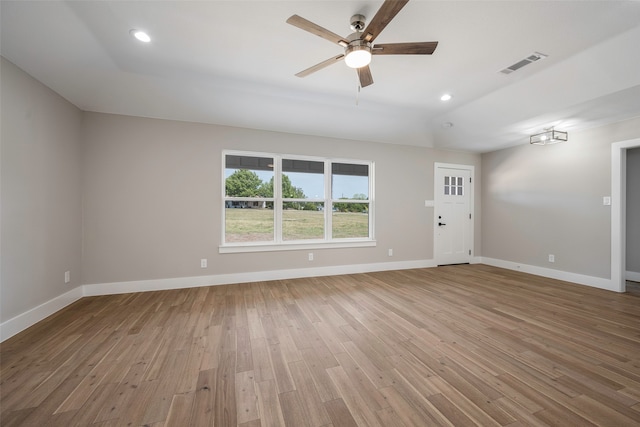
328	205
371	196
277	194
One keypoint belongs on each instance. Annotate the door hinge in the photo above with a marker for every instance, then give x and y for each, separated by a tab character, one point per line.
469	251
469	179
469	216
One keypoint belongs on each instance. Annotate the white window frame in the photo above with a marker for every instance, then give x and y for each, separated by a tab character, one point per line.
278	244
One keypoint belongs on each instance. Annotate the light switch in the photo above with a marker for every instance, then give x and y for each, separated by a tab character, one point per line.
606	201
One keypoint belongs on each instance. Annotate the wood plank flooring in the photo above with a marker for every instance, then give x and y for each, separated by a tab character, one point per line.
449	346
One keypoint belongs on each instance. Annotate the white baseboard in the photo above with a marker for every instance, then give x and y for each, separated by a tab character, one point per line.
22	321
633	276
257	276
595	282
28	318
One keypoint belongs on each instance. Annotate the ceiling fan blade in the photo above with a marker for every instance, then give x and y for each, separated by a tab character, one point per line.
364	74
383	16
320	66
304	24
417	48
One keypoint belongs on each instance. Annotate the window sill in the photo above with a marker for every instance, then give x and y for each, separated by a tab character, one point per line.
270	247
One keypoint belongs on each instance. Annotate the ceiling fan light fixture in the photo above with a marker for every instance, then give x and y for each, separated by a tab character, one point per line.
357	54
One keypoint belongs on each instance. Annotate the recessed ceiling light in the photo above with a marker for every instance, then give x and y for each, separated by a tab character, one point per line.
445	97
140	35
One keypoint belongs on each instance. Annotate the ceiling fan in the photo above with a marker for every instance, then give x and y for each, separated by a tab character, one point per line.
358	46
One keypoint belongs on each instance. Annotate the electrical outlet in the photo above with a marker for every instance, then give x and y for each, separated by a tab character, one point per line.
552	258
390	252
310	256
67	276
203	263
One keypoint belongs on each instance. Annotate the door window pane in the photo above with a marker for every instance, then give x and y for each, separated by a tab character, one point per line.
453	186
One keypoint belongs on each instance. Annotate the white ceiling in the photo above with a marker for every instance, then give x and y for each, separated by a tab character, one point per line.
233	63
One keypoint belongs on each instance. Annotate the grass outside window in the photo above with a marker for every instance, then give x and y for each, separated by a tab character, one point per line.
256	225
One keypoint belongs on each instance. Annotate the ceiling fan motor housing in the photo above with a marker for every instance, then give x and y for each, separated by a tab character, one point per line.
357	23
357	44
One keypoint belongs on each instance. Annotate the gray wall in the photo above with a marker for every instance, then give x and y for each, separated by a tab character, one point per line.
633	210
115	198
152	194
119	198
541	200
41	208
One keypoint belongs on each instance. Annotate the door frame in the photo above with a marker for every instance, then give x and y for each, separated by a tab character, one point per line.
619	212
436	187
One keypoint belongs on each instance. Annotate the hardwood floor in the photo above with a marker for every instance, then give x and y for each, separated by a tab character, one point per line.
454	346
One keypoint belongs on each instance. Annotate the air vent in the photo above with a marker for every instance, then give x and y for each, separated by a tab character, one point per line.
535	56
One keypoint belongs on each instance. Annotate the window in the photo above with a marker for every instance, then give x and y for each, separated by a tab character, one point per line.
281	202
249	199
302	199
349	196
453	186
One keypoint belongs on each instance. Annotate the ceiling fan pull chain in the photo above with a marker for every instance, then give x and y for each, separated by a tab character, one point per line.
358	96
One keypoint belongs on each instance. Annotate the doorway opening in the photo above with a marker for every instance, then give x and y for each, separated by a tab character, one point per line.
618	212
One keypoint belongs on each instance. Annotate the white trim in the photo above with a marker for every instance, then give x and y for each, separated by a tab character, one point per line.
256	276
618	211
21	322
634	276
278	199
30	317
267	247
581	279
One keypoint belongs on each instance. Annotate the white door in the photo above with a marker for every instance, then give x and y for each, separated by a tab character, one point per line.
452	214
